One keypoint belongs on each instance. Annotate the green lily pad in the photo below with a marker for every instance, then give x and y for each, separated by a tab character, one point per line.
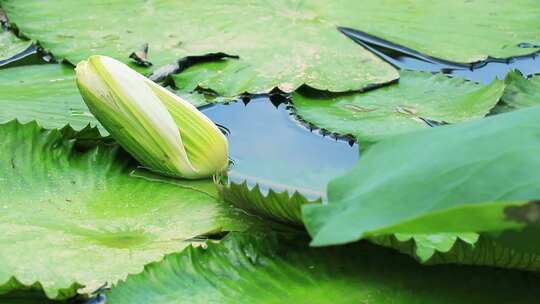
272	269
281	44
48	94
460	31
79	219
11	45
470	177
399	108
520	93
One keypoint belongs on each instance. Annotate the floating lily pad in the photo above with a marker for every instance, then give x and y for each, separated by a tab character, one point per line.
469	177
48	94
72	219
408	105
460	31
281	44
11	45
270	269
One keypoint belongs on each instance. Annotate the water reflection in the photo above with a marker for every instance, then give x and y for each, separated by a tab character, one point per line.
268	146
405	58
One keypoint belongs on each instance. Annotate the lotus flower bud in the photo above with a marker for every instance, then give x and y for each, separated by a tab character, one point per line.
161	130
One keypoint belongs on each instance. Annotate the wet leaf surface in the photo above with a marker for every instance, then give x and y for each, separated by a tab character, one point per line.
79	219
281	44
272	269
418	101
451	179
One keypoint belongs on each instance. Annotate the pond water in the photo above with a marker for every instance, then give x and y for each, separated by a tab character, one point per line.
270	147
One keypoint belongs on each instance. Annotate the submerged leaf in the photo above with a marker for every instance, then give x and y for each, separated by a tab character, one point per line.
74	219
459	178
273	269
418	97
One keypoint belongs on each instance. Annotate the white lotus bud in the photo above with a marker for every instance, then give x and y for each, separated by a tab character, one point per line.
161	130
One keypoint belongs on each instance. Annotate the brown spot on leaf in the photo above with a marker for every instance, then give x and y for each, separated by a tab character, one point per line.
528	213
140	56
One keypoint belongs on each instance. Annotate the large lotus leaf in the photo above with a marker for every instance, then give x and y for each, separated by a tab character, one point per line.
401	107
459	30
73	219
268	269
10	45
48	94
280	43
469	177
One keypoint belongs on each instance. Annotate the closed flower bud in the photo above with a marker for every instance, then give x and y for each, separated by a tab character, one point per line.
161	130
